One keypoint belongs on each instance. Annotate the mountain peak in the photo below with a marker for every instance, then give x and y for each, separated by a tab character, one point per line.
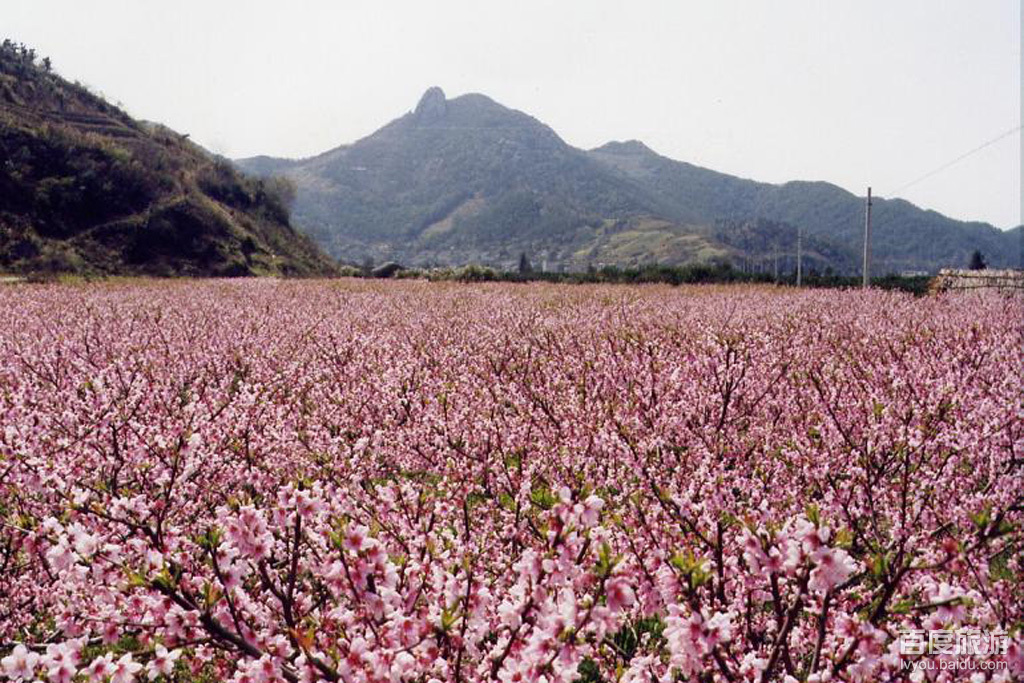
433	105
626	147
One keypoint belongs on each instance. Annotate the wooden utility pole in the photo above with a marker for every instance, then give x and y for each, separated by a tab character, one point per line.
799	254
866	278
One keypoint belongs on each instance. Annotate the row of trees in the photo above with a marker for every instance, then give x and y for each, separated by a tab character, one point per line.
695	273
976	262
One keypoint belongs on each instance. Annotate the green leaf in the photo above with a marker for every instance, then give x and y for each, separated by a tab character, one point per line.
813	514
542	497
606	561
448	618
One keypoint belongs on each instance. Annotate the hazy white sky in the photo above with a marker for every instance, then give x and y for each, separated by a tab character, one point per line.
855	92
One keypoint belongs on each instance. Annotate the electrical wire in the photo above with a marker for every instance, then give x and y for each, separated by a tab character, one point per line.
958	159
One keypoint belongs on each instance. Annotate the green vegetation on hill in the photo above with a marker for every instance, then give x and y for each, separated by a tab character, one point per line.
904	237
457	181
86	189
467	180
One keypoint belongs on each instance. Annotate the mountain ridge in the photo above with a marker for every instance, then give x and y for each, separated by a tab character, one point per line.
466	179
779	202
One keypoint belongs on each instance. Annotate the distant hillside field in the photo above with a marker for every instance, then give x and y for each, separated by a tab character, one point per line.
84	188
468	180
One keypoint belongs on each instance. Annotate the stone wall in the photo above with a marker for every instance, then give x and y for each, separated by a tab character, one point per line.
960	280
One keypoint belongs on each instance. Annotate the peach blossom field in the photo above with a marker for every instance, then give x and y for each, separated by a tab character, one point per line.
260	480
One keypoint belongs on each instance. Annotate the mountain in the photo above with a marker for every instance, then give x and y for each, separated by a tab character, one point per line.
454	181
468	180
85	188
903	235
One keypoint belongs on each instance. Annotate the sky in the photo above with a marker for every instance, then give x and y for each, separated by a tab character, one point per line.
854	92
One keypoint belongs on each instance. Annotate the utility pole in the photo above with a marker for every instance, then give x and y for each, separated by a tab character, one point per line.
866	282
799	254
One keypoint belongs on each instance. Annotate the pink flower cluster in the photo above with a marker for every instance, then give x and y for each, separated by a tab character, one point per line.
267	481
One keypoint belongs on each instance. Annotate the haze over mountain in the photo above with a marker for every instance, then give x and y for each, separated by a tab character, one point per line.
468	180
85	188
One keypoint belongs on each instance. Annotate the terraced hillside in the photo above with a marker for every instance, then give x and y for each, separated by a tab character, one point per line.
85	188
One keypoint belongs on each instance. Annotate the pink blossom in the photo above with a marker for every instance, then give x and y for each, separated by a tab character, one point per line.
553	470
162	662
832	566
61	661
591	511
20	664
85	543
355	538
60	556
124	670
619	594
950	605
100	668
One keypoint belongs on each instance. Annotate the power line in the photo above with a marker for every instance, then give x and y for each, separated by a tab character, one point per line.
957	160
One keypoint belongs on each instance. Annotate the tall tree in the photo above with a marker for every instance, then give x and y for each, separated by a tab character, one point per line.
524	264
